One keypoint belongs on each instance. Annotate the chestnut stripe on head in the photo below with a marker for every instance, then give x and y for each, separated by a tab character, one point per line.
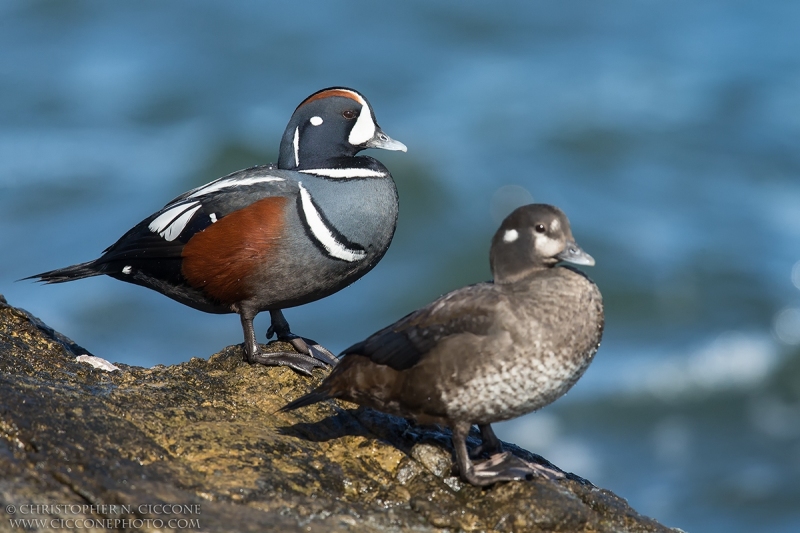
221	258
364	128
326	93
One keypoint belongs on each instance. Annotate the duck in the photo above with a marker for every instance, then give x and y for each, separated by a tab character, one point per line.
487	352
272	236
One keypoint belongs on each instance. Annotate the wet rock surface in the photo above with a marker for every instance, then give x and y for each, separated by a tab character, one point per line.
205	435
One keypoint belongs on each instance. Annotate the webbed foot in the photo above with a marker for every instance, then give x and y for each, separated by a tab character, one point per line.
302	363
508	467
308	347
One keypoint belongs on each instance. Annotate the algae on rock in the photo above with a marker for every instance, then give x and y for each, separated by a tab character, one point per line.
206	433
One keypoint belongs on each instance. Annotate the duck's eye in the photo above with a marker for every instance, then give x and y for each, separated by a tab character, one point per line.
349	114
539	228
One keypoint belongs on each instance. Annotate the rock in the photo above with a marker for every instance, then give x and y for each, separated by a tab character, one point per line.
203	440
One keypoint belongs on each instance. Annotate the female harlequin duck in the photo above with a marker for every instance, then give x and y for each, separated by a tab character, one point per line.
487	352
270	237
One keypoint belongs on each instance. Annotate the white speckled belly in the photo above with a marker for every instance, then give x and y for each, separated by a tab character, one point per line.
535	355
512	391
509	390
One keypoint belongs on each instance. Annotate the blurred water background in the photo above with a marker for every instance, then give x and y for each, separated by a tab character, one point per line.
668	132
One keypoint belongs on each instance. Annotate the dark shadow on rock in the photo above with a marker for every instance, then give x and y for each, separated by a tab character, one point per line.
340	425
363	421
403	434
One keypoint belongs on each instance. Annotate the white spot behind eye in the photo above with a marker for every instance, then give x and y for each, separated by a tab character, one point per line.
213	217
510	235
315	121
555	225
126	269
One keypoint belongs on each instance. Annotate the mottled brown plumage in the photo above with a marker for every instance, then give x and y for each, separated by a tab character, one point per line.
487	352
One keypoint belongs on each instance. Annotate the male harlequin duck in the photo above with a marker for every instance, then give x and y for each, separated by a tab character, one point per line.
487	352
270	237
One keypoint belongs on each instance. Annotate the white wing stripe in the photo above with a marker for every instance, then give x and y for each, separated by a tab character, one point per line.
345	172
218	185
177	226
172	222
323	234
162	221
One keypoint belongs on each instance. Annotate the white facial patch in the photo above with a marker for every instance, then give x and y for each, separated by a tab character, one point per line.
225	183
510	235
296	144
323	233
212	217
546	246
315	121
127	269
364	128
555	225
345	172
172	222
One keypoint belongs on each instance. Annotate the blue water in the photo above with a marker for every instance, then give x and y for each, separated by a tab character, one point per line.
668	132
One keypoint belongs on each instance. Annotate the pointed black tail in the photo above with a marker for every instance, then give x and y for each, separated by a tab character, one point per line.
316	395
80	271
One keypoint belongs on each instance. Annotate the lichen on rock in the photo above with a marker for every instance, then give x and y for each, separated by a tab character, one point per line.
207	433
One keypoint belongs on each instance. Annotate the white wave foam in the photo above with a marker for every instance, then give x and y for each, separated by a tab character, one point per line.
732	360
786	326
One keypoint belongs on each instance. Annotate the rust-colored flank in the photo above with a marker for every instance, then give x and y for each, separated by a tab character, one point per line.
220	258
